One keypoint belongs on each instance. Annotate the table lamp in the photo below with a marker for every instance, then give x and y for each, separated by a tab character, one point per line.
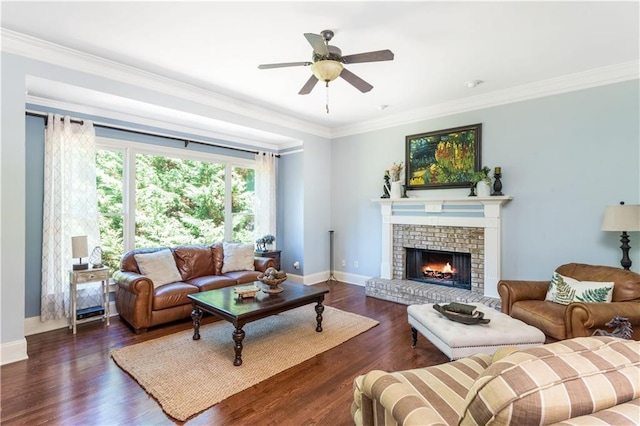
79	249
622	218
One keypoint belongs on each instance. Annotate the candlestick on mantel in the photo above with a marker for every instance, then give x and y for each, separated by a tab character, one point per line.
497	184
497	170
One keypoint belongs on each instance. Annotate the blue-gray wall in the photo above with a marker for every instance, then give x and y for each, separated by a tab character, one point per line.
563	158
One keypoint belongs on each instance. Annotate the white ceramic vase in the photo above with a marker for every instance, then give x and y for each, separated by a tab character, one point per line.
396	189
483	189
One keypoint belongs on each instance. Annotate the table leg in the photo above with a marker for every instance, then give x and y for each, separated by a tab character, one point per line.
238	336
319	311
414	337
107	302
196	315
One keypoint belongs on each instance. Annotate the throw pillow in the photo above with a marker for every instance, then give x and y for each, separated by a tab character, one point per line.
237	257
159	267
565	290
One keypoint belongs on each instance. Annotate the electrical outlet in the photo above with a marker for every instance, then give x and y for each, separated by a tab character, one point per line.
344	262
296	264
355	263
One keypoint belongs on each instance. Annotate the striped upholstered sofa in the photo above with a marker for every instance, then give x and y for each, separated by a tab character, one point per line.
580	381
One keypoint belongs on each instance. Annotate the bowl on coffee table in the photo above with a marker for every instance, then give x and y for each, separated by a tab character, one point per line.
272	283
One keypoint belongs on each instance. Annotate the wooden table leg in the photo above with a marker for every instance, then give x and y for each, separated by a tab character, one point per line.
319	311
196	316
414	337
238	336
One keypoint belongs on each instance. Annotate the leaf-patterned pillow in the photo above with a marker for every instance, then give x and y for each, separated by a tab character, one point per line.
565	290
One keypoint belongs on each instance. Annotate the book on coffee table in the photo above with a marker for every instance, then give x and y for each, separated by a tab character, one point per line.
461	308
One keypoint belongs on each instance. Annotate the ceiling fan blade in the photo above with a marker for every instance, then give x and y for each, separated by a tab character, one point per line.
308	86
317	42
284	64
378	55
355	81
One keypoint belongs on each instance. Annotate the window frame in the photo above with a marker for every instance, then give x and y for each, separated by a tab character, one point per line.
131	148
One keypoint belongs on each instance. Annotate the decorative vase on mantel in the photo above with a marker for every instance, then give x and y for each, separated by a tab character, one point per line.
396	189
483	189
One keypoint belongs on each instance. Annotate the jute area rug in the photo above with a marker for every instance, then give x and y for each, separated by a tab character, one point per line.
188	376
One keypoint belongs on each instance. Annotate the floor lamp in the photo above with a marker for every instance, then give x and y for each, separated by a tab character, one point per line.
331	277
622	218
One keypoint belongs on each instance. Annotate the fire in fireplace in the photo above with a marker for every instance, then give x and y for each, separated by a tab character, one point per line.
445	268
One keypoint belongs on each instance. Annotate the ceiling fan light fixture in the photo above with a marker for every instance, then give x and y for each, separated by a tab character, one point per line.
327	70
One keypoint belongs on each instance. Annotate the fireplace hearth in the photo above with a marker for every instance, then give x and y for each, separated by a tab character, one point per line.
446	268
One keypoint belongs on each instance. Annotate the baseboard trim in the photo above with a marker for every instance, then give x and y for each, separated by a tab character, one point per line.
33	325
13	351
351	278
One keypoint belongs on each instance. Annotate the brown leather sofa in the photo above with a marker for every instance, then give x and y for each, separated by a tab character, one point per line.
141	305
525	300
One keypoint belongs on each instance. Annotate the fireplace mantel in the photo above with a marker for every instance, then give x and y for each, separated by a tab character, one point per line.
480	212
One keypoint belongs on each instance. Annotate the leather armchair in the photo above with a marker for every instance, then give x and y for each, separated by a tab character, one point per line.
525	300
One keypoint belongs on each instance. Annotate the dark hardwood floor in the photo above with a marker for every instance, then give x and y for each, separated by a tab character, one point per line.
71	379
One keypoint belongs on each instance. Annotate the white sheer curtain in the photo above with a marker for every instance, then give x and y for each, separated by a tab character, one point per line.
265	200
70	206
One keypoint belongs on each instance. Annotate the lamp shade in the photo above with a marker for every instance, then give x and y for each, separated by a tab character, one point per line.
79	247
326	70
621	218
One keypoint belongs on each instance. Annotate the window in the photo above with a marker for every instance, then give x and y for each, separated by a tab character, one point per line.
174	197
110	185
243	192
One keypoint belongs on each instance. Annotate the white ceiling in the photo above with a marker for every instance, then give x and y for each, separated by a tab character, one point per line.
438	47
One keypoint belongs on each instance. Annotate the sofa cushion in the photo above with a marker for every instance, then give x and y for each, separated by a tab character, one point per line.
243	277
194	261
159	267
237	257
218	258
543	315
555	382
441	388
173	294
565	290
212	282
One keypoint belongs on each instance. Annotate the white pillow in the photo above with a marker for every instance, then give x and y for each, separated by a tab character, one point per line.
237	257
565	290
160	267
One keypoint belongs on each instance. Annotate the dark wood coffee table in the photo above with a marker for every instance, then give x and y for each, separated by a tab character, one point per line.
225	304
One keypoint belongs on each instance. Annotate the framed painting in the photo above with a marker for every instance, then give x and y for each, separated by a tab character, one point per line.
444	158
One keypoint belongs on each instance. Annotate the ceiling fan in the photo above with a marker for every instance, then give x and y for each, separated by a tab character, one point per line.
327	63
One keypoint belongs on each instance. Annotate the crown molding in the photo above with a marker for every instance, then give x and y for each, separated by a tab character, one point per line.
21	44
219	138
554	86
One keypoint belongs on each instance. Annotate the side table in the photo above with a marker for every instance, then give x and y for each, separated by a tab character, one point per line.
274	254
84	276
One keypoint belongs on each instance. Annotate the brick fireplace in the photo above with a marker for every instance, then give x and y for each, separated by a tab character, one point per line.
469	225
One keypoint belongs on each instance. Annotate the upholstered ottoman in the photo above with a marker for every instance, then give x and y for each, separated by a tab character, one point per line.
458	340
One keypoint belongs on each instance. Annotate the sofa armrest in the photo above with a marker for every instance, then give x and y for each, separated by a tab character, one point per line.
134	298
262	263
511	291
582	319
132	282
398	401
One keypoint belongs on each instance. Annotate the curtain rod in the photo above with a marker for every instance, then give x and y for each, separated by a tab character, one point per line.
139	132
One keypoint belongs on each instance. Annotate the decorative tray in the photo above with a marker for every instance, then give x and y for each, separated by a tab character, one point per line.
246	291
477	318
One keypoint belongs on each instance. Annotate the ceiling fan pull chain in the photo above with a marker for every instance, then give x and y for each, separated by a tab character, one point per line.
327	106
